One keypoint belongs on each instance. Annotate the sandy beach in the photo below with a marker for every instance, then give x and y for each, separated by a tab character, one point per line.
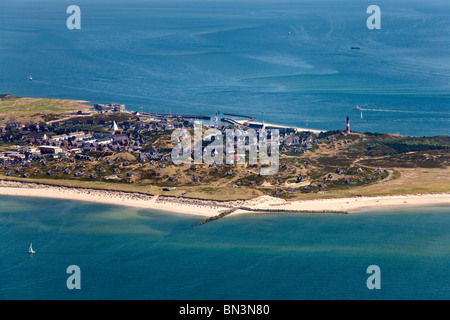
207	208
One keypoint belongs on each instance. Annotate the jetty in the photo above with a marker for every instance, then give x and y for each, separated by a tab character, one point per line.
233	122
250	118
268	211
275	126
178	116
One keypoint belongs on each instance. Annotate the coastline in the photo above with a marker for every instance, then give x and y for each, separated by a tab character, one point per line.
111	197
359	204
211	208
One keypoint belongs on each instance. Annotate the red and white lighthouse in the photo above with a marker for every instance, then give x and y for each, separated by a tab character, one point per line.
348	125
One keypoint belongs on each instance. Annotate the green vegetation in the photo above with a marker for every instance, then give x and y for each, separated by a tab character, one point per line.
383	147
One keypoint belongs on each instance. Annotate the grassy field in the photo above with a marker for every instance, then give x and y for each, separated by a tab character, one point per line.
411	180
32	110
218	193
404	181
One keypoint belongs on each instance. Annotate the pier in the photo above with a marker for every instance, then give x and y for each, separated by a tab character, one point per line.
233	122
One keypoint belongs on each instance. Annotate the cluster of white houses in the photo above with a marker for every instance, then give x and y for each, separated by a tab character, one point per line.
111	107
57	146
78	142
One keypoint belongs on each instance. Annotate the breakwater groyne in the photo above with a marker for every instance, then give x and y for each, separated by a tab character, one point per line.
269	211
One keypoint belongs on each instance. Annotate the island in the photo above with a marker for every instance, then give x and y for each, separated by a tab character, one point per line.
104	153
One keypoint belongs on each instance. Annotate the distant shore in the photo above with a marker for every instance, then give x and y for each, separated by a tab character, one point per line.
210	208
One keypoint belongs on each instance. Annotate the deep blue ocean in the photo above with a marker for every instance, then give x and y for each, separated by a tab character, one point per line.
284	62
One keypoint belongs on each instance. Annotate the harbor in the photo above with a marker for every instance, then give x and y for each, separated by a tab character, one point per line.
256	124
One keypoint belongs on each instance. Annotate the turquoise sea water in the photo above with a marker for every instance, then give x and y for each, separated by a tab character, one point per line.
285	62
128	253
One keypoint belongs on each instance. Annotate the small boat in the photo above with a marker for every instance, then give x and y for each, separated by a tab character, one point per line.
357	108
30	78
31	251
355	48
